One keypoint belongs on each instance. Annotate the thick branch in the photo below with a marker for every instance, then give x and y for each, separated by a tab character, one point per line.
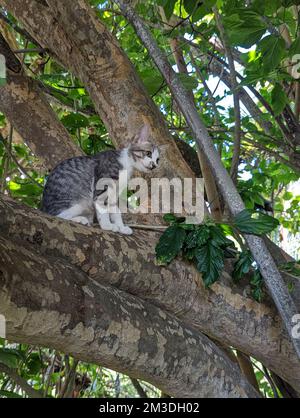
223	312
24	104
56	305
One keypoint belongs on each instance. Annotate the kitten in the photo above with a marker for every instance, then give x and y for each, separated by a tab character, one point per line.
74	189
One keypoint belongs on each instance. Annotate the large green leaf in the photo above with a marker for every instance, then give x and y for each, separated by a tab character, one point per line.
242	265
218	236
272	48
152	80
170	244
210	262
257	286
190	5
75	121
9	394
244	27
279	99
198	237
251	222
295	47
168	6
9	357
189	82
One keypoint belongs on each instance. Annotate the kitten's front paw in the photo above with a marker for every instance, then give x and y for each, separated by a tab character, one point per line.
109	227
126	230
81	220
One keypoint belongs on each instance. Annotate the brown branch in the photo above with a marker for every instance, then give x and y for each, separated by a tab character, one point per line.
177	288
138	387
103	325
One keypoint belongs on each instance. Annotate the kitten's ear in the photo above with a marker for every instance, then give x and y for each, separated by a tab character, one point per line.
144	135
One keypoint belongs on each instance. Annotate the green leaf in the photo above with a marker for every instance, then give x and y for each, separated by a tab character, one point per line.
190	5
244	27
218	236
273	49
34	364
292	267
251	222
9	394
242	265
172	219
189	82
295	47
169	217
152	80
257	286
170	244
9	357
75	121
202	10
198	237
278	99
209	262
168	6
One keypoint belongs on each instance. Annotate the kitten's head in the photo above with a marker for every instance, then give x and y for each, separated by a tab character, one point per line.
144	153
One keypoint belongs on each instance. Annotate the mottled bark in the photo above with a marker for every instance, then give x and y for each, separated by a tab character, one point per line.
82	44
76	38
26	107
57	305
224	312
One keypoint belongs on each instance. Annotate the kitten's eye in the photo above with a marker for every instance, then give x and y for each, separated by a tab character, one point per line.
149	154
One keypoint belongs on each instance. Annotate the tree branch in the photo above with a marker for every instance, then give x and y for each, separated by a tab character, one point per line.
224	311
59	306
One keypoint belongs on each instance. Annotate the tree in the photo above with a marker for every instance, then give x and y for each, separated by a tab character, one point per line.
101	297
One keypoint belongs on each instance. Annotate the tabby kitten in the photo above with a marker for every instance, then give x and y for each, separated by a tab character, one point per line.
75	191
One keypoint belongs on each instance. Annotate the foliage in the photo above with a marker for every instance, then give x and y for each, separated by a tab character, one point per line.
207	246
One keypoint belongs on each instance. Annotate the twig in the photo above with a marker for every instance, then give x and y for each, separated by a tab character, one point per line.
19	30
7	158
22	169
20	381
28	50
138	387
236	97
156	228
48	376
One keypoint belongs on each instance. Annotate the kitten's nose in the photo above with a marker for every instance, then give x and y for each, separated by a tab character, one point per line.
152	165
